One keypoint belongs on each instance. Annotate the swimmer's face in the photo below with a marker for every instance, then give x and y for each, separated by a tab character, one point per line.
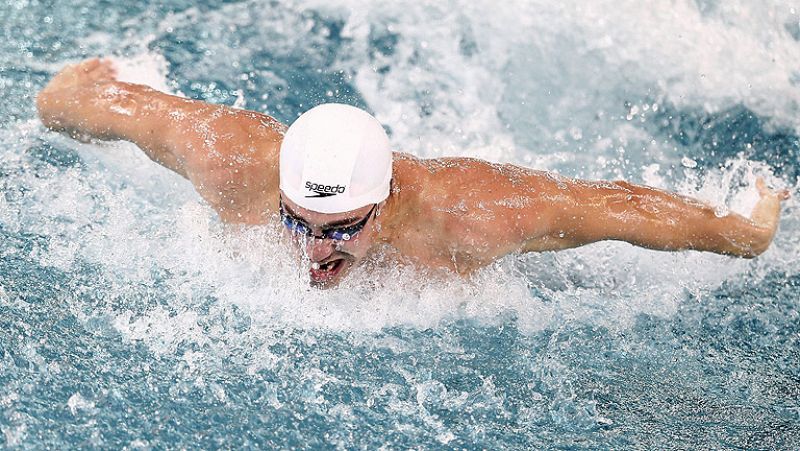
330	259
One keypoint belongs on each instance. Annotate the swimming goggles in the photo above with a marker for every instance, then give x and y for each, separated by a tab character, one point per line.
298	226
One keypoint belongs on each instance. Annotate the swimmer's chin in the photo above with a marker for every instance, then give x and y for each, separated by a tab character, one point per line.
323	285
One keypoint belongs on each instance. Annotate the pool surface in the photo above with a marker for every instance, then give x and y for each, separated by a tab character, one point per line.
130	317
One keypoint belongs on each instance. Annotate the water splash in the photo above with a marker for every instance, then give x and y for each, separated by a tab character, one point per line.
126	289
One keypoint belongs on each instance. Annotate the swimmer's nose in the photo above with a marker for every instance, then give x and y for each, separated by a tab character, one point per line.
319	249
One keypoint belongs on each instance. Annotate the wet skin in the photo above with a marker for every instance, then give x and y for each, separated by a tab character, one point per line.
330	259
454	213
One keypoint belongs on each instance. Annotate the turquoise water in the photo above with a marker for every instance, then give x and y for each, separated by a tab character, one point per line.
130	317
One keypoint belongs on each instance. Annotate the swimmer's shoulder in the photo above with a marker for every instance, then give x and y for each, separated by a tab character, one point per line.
422	188
438	180
232	158
214	138
408	181
409	177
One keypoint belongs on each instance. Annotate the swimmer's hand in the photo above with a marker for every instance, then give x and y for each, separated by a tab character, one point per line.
63	93
766	214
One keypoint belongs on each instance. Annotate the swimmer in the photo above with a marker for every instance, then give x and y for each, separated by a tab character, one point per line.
341	194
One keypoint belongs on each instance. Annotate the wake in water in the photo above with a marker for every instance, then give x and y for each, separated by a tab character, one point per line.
124	300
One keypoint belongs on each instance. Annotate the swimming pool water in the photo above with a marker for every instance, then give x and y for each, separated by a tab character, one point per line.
131	318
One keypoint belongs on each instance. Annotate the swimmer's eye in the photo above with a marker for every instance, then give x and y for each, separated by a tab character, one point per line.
343	234
295	225
346	233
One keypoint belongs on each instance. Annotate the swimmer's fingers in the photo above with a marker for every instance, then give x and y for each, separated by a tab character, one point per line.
72	74
87	66
767	211
98	70
105	66
109	67
761	186
764	191
91	71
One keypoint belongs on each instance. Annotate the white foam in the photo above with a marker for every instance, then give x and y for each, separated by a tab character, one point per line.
148	68
553	76
77	403
535	83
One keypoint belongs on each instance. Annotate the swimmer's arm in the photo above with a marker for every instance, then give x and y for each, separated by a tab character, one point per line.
230	155
587	212
87	102
484	211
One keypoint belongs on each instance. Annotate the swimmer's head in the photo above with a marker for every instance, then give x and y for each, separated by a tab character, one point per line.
335	158
335	174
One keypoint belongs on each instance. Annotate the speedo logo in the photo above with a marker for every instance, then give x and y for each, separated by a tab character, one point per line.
324	190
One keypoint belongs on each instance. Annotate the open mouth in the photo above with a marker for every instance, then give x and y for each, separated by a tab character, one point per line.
325	272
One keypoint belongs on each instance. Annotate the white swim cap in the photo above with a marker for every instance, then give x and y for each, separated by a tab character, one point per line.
335	158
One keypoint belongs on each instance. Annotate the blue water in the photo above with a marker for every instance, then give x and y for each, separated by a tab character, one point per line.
130	317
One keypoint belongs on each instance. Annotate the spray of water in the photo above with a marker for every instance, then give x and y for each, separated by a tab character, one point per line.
591	90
